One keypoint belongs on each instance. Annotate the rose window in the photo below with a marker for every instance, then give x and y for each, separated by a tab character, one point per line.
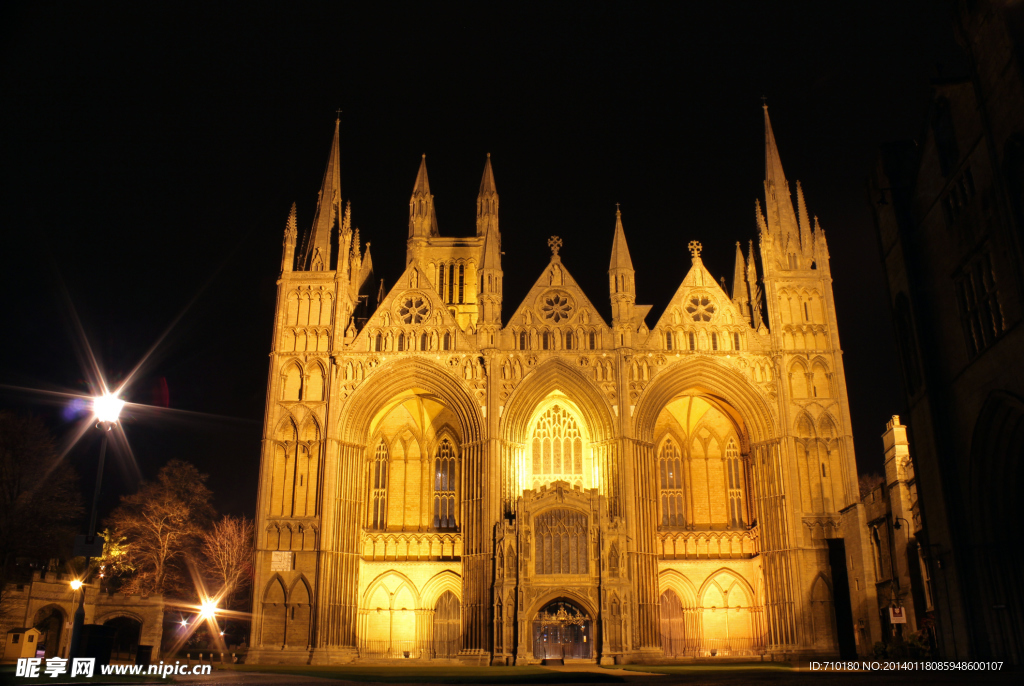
414	309
556	307
701	309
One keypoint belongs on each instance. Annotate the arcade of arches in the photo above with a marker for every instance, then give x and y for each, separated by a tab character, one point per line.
447	476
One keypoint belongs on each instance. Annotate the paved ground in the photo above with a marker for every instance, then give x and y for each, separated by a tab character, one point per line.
695	675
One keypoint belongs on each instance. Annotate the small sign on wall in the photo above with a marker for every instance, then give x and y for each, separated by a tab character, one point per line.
282	561
897	615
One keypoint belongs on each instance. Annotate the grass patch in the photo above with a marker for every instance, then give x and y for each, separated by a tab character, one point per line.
705	668
440	674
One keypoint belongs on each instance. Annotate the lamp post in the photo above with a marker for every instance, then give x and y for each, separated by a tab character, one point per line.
106	409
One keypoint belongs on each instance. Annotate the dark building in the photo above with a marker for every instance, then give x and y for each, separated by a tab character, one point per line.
950	214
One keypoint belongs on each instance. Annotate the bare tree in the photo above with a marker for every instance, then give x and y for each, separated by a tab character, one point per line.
39	500
161	523
227	554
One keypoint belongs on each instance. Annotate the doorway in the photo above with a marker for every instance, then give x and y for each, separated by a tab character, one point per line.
563	631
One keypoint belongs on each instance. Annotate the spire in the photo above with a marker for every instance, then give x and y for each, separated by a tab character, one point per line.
761	225
422	220
487	201
754	288
620	251
291	231
621	283
779	202
739	282
805	222
316	252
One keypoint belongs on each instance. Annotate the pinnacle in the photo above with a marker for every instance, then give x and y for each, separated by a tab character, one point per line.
422	182
620	251
487	182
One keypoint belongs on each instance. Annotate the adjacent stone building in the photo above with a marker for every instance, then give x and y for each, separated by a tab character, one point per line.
449	478
48	603
949	209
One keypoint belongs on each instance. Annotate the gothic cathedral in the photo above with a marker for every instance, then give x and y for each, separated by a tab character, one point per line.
441	482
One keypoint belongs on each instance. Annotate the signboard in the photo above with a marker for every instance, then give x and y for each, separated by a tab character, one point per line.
282	561
897	615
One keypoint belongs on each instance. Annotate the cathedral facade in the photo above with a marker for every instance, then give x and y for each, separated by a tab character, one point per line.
440	481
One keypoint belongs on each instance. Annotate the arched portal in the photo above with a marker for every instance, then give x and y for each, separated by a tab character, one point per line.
563	630
583	413
127	632
447	626
50	622
702	479
363	417
673	625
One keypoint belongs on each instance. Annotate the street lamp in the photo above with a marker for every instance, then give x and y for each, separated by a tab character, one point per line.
106	409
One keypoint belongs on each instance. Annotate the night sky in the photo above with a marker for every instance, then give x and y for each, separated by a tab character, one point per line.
150	156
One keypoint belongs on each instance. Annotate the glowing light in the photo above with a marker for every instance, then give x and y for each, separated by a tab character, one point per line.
208	610
107	407
76	584
184	622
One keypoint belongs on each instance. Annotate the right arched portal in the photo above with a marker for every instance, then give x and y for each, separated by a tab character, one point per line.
701	478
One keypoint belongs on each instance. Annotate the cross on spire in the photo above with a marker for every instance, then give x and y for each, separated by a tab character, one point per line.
695	248
338	112
555	243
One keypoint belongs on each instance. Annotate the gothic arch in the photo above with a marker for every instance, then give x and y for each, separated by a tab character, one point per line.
582	601
114	614
287	429
405	582
556	375
732	574
677	582
437	585
301	579
737	398
394	379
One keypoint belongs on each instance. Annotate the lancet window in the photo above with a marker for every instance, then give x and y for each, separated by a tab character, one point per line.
557	448
735	469
671	472
444	486
523	340
593	340
693	342
561	542
668	340
379	488
451	283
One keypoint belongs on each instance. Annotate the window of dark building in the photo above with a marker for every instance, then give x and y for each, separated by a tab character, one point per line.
981	314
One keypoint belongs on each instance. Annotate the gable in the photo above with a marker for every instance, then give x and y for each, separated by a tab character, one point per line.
556	300
412	308
699	302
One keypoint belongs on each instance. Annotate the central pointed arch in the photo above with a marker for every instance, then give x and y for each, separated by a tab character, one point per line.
553	376
557	379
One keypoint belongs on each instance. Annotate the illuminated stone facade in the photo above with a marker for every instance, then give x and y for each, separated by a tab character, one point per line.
438	482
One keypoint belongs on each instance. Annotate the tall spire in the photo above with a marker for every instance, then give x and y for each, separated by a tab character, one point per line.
779	203
740	295
422	220
621	282
487	201
620	251
317	251
490	283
